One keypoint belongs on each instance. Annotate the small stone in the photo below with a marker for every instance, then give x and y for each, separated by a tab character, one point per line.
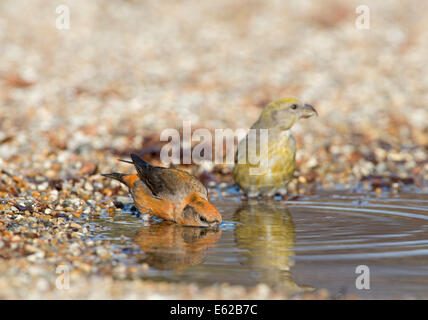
312	162
92	203
89	186
88	168
36	256
77	235
53	195
75	225
43	186
75	249
212	184
102	252
85	267
31	249
66	185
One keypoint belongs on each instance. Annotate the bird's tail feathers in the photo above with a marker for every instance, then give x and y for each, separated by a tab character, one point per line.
126	161
115	175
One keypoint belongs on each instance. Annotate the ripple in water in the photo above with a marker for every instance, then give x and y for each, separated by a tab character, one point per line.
298	245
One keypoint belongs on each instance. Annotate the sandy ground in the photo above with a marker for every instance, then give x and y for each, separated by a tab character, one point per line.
72	101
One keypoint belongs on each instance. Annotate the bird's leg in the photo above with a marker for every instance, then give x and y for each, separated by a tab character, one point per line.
251	194
268	195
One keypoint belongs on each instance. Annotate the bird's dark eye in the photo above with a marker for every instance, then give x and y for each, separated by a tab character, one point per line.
203	219
294	106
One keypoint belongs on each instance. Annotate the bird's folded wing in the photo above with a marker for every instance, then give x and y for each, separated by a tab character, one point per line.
152	176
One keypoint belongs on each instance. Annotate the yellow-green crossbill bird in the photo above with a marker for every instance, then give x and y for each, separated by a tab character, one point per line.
274	149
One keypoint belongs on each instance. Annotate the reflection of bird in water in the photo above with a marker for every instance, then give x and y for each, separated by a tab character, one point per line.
168	246
267	234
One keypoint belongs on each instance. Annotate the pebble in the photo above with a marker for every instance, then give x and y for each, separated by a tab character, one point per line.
102	252
43	186
36	256
89	186
75	249
88	168
75	225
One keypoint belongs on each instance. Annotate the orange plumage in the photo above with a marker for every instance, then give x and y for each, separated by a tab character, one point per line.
170	194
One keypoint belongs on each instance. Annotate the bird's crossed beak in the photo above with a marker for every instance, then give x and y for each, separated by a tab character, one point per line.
308	111
212	216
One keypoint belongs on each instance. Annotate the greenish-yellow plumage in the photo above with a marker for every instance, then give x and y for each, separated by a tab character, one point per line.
270	175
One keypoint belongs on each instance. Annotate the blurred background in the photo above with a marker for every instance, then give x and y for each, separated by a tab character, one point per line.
125	70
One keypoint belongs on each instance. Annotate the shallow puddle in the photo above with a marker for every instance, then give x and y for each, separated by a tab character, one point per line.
315	242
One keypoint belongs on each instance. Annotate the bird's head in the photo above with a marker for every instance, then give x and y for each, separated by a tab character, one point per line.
199	212
284	113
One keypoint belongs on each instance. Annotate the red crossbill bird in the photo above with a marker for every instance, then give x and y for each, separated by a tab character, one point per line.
278	118
171	194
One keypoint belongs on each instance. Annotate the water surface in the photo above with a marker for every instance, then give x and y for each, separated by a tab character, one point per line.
315	242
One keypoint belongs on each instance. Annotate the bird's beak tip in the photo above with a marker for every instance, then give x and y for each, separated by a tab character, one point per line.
215	224
309	111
